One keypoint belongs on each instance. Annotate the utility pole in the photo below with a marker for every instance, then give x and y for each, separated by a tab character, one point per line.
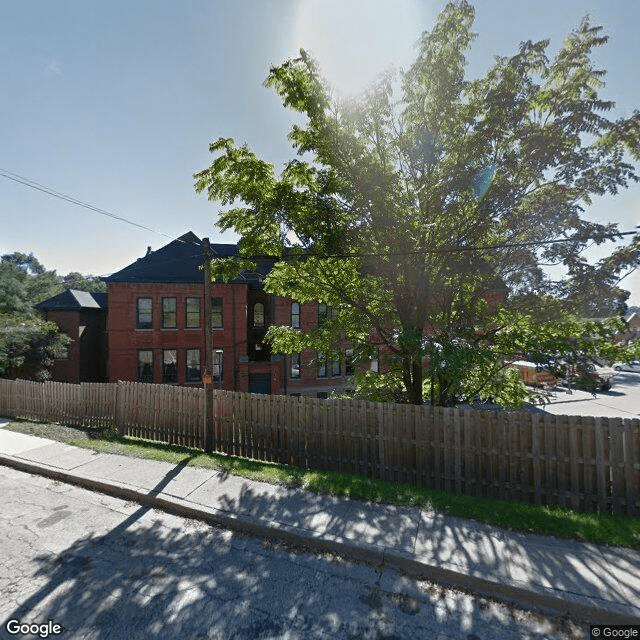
207	377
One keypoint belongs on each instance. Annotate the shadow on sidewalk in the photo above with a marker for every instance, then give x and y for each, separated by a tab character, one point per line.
144	579
546	564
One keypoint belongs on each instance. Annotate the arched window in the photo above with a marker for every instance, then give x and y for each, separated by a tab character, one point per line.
295	315
258	314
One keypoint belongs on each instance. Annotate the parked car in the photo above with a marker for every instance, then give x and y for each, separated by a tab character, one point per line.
633	366
590	375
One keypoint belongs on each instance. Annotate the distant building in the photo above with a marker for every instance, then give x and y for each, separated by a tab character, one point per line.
633	332
83	317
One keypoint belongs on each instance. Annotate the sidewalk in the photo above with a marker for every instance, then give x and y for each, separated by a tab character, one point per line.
591	583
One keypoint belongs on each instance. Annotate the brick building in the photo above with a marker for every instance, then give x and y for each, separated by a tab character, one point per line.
632	334
83	317
156	326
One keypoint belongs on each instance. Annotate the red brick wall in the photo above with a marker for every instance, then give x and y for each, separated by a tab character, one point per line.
308	383
67	370
86	351
125	339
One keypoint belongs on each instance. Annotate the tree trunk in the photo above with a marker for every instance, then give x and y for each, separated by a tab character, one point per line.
413	380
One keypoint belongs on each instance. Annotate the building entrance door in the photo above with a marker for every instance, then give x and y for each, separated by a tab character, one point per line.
260	383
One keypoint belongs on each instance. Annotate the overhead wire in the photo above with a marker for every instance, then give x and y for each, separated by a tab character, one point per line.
451	249
49	191
9	175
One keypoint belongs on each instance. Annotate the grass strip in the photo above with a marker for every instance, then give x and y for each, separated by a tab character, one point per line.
601	528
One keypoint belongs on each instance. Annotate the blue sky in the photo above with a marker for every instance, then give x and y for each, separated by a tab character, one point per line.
115	103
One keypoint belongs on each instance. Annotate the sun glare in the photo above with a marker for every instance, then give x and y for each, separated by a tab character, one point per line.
356	40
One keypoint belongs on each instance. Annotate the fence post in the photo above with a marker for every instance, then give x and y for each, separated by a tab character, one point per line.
120	408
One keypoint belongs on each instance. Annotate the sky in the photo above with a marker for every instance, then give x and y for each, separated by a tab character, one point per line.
114	104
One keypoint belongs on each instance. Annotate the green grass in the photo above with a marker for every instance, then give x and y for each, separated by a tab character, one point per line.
529	518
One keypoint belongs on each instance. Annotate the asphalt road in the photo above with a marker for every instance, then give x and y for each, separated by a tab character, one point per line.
105	569
621	401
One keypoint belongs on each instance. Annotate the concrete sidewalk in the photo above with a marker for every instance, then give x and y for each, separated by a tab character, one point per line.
588	582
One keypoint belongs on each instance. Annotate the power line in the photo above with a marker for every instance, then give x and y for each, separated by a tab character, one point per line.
49	191
452	249
27	182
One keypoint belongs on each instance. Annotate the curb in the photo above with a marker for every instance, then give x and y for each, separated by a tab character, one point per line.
547	604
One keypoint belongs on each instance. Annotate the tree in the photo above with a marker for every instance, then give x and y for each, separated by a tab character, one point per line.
28	345
24	282
403	214
75	280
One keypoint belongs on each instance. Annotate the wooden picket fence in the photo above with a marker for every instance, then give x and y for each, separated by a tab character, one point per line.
583	463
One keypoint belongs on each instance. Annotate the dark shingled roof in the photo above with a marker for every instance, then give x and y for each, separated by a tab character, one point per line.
74	300
180	262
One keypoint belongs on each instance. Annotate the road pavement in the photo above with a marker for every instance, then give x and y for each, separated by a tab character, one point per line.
621	401
107	569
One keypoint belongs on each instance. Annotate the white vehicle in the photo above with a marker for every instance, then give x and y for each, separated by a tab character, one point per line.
628	366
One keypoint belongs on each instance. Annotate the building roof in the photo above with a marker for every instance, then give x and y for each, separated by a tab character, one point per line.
180	262
74	300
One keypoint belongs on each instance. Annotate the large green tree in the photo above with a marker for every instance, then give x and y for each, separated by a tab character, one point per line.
406	207
28	344
28	347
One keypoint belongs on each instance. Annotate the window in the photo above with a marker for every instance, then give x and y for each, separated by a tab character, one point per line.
295	315
295	365
169	313
216	313
145	365
322	313
258	314
322	365
169	366
335	367
193	313
375	362
217	365
63	353
193	364
145	315
348	368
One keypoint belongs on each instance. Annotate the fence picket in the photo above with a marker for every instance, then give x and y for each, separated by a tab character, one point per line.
632	466
586	463
616	461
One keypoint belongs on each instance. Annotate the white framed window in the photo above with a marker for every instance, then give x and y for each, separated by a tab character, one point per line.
145	365
217	368
144	316
258	314
169	366
295	315
192	360
294	372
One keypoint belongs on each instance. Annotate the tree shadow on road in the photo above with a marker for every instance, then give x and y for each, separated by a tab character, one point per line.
157	576
543	563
